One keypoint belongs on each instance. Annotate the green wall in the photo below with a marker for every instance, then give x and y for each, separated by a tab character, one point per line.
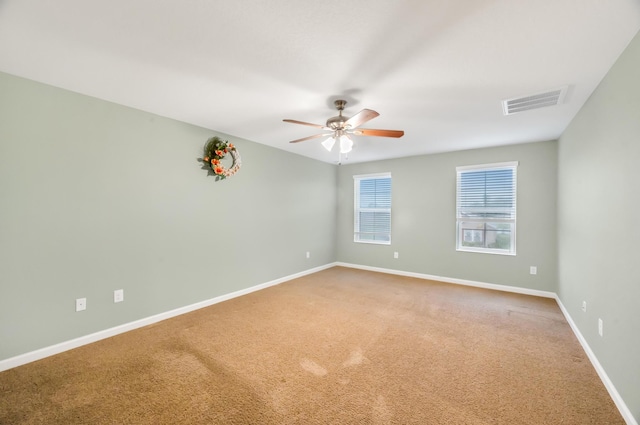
598	233
97	197
423	218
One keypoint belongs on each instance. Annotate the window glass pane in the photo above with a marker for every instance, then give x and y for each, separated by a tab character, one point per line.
487	193
375	193
472	234
486	235
498	239
375	222
372	221
486	208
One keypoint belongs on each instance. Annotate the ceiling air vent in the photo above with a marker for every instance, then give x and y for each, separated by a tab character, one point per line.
534	101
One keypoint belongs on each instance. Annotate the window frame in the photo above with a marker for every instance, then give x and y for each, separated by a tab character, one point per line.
356	209
513	165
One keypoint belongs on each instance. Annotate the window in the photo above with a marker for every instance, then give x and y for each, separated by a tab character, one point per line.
372	208
486	208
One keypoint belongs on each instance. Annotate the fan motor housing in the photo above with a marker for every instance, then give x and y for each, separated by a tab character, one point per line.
337	122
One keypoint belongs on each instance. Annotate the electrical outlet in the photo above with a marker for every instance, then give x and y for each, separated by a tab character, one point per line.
600	327
308	254
395	254
584	306
118	295
533	270
81	304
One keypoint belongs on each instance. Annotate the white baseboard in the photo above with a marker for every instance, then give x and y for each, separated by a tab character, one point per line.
107	333
617	399
496	287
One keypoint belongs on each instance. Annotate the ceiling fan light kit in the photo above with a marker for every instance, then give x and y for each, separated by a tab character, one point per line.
342	127
346	144
328	144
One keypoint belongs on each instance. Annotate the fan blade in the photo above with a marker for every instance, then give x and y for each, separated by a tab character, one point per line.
310	137
379	133
305	123
360	118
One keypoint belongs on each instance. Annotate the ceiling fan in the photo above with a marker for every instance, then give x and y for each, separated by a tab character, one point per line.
341	128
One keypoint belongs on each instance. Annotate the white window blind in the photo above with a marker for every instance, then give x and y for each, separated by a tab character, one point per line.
372	220
486	208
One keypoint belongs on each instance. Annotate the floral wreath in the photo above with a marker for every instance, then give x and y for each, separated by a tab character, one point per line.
214	151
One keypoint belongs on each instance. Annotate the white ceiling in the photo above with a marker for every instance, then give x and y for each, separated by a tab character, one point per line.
437	69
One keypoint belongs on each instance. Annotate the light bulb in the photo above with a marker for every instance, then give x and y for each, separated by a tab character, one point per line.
328	144
345	144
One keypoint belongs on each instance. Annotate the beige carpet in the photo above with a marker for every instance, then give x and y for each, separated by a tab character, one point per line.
341	346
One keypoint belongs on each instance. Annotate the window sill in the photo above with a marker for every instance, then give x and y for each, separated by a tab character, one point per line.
486	251
374	242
